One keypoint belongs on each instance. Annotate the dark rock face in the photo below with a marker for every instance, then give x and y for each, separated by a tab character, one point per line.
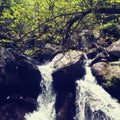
99	70
65	78
108	75
107	69
19	85
110	53
102	56
66	110
96	115
16	108
114	50
92	53
67	71
12	112
29	78
18	75
47	53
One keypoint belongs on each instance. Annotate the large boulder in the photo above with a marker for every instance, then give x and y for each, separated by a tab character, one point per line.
114	50
19	85
29	78
12	112
18	75
99	70
91	53
15	109
108	75
67	68
48	52
66	111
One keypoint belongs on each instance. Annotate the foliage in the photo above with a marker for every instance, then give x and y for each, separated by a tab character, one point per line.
111	29
31	24
115	63
112	80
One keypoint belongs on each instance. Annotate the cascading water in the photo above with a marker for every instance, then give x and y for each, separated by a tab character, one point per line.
92	101
46	100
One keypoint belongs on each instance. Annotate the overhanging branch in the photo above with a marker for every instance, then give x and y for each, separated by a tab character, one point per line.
112	10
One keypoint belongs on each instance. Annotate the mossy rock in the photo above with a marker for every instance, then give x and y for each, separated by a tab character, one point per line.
111	80
111	29
108	75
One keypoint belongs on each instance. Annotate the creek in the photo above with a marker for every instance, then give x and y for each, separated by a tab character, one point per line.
92	101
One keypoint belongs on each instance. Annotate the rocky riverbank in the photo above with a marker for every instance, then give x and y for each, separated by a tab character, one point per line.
20	79
19	85
106	68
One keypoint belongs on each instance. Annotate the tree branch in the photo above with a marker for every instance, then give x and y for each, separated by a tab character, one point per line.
112	10
50	20
72	21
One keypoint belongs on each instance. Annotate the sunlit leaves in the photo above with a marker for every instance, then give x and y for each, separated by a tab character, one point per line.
47	19
112	1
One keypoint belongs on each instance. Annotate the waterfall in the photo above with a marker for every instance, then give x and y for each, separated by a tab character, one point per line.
46	100
92	101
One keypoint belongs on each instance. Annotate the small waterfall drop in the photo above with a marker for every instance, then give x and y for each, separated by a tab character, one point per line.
88	76
46	100
92	101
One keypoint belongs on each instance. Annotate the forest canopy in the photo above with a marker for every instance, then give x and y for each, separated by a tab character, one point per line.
28	25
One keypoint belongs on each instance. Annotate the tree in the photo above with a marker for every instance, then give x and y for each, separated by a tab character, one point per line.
30	24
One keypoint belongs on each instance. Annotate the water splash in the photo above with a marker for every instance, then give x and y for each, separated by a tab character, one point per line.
46	100
93	102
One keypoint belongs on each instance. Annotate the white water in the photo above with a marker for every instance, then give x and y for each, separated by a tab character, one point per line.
93	95
46	100
87	93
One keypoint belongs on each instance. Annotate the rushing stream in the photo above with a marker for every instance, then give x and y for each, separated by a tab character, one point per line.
46	100
92	101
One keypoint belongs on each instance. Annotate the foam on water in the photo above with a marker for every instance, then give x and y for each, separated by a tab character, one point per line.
46	100
88	92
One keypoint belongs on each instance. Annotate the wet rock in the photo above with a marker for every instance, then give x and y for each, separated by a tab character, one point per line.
15	108
19	85
67	69
47	53
65	78
67	109
99	70
18	75
114	50
108	75
96	115
91	53
12	112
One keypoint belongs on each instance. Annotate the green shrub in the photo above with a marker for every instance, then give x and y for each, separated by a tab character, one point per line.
111	29
111	80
